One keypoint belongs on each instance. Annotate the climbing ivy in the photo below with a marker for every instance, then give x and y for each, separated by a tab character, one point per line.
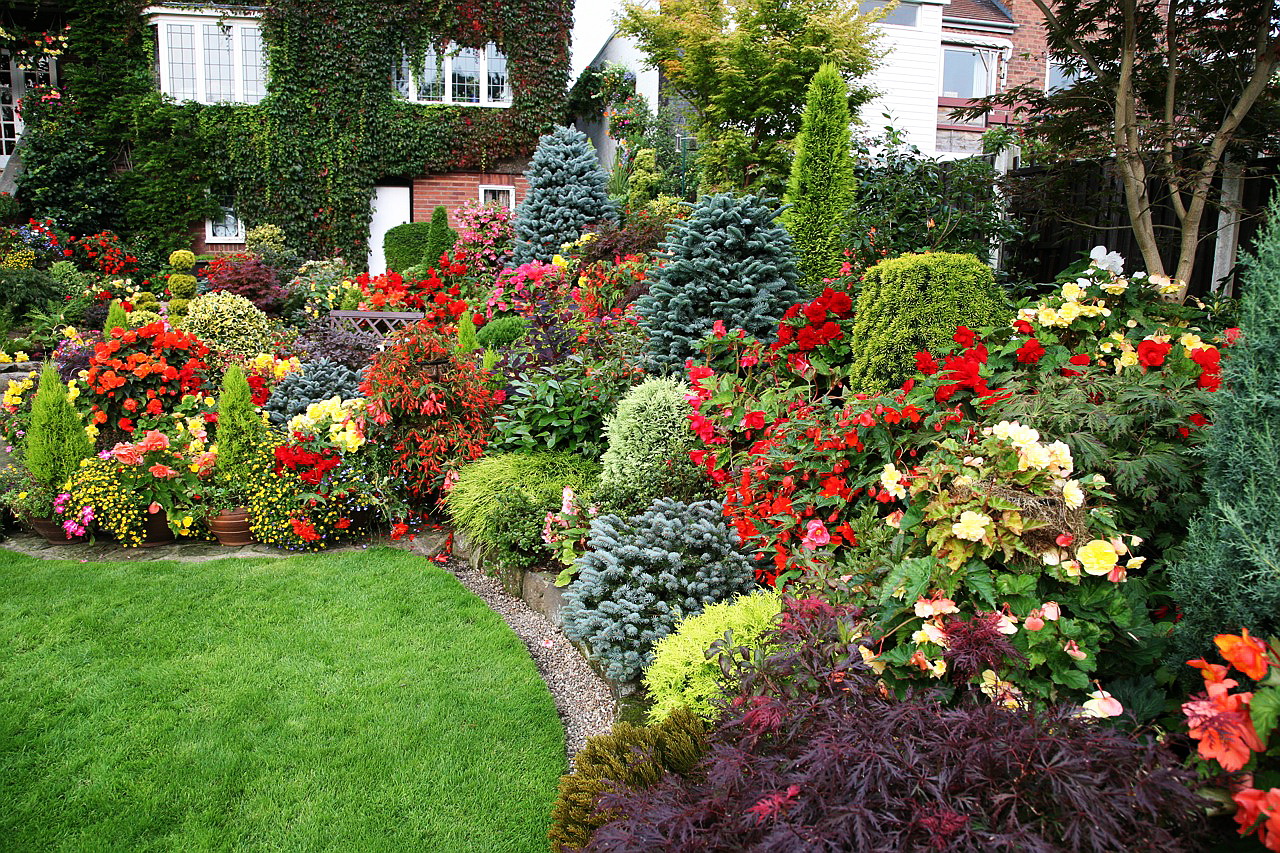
332	125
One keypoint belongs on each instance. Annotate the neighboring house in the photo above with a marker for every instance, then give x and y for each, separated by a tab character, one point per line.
216	54
939	55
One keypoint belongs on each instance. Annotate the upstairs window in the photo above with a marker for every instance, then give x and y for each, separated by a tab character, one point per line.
901	15
212	55
457	75
968	72
1060	77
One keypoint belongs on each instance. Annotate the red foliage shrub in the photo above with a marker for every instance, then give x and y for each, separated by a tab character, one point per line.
247	276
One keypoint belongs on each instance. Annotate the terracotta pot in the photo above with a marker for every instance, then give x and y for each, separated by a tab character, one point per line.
155	529
231	527
53	532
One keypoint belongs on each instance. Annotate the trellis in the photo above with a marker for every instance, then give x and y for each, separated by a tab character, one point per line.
384	324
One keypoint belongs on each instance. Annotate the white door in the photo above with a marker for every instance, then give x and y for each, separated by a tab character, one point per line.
391	207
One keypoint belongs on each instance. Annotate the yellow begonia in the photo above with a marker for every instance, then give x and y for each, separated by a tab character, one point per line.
1128	358
1068	313
889	480
1072	494
1098	557
1072	292
971	526
1191	341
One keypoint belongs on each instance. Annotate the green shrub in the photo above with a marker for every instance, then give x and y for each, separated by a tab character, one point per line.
267	243
635	756
648	453
316	382
466	334
1229	575
239	429
440	239
501	331
730	261
71	281
178	308
55	441
915	303
182	286
566	194
182	260
500	502
145	300
681	676
821	189
117	318
25	289
406	245
642	575
140	317
229	324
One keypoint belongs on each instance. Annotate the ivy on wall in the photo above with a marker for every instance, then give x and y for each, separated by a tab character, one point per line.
332	125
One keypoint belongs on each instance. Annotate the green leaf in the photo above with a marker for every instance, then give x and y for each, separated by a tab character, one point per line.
1264	709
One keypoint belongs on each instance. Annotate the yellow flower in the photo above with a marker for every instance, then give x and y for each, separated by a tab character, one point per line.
1072	494
889	480
1072	292
1046	316
22	496
1068	313
1126	359
971	526
1097	557
559	261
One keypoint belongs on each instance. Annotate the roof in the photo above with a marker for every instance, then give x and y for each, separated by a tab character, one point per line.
993	11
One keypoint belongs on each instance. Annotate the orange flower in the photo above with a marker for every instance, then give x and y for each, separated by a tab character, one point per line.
1223	728
162	472
154	440
1245	653
1252	806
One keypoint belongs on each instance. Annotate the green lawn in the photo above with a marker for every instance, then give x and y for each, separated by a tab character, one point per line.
356	701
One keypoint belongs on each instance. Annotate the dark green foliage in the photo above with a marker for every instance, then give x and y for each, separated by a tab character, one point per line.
501	331
1229	576
239	430
55	441
24	289
500	502
66	178
117	318
915	303
316	382
642	575
821	189
730	261
440	238
635	756
566	194
406	245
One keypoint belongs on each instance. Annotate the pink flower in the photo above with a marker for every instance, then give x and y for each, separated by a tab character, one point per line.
719	329
1074	651
815	535
748	360
154	440
127	454
1034	622
162	472
1051	611
154	508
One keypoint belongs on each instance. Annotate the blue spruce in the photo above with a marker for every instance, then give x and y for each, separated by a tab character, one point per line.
566	194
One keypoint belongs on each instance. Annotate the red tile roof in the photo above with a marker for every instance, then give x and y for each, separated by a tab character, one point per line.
978	10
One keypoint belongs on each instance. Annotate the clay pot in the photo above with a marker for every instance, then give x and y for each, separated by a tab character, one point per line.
231	527
155	530
53	532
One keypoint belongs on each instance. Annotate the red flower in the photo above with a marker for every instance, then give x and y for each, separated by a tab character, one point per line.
926	364
343	523
753	420
1030	352
964	336
304	529
1022	327
1153	353
125	424
1230	336
1245	653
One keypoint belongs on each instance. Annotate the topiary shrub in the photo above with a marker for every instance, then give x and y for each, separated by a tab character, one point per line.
682	676
240	430
229	324
729	261
56	440
501	331
566	194
641	575
501	502
648	452
915	303
441	238
316	382
406	245
635	756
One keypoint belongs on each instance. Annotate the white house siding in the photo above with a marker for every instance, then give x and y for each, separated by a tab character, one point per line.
908	78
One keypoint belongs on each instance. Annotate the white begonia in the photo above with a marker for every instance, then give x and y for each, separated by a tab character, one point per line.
1110	261
1072	494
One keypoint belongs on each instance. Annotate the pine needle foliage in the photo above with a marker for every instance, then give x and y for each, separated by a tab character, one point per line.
117	318
55	441
820	192
240	430
566	194
730	261
1229	576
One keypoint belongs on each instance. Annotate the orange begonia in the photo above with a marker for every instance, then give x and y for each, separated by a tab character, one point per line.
1223	728
1245	653
1252	806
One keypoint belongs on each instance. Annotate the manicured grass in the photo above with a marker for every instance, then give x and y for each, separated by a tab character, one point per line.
356	701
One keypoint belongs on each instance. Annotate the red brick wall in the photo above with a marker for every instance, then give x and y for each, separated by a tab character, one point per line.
200	247
1030	58
453	189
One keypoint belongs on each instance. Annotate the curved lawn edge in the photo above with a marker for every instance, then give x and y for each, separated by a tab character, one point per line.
361	700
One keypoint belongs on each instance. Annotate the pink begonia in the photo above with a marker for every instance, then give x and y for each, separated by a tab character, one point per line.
815	535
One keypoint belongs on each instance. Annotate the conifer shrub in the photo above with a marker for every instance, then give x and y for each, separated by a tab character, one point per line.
915	303
240	430
648	451
229	324
1228	577
501	502
466	335
641	575
501	331
820	191
406	245
117	318
316	382
729	262
635	756
440	238
566	194
55	441
686	672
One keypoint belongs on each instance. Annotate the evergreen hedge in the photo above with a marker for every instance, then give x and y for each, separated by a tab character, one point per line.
406	245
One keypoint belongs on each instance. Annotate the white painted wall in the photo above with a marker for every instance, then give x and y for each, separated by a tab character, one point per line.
908	78
623	51
392	206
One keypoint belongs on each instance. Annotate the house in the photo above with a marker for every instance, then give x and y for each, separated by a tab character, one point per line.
335	121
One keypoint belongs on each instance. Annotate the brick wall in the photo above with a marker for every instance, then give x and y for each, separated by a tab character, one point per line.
1030	58
453	189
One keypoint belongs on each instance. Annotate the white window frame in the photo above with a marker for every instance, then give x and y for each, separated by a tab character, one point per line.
214	239
868	6
1000	50
20	79
234	22
1049	65
446	71
507	189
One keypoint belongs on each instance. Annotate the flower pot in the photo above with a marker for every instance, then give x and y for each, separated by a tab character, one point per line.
155	530
231	527
53	532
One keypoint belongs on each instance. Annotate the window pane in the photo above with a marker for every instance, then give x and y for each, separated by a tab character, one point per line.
8	100
182	61
219	74
227	226
431	83
402	77
965	73
1060	77
499	195
254	61
903	15
499	87
466	77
